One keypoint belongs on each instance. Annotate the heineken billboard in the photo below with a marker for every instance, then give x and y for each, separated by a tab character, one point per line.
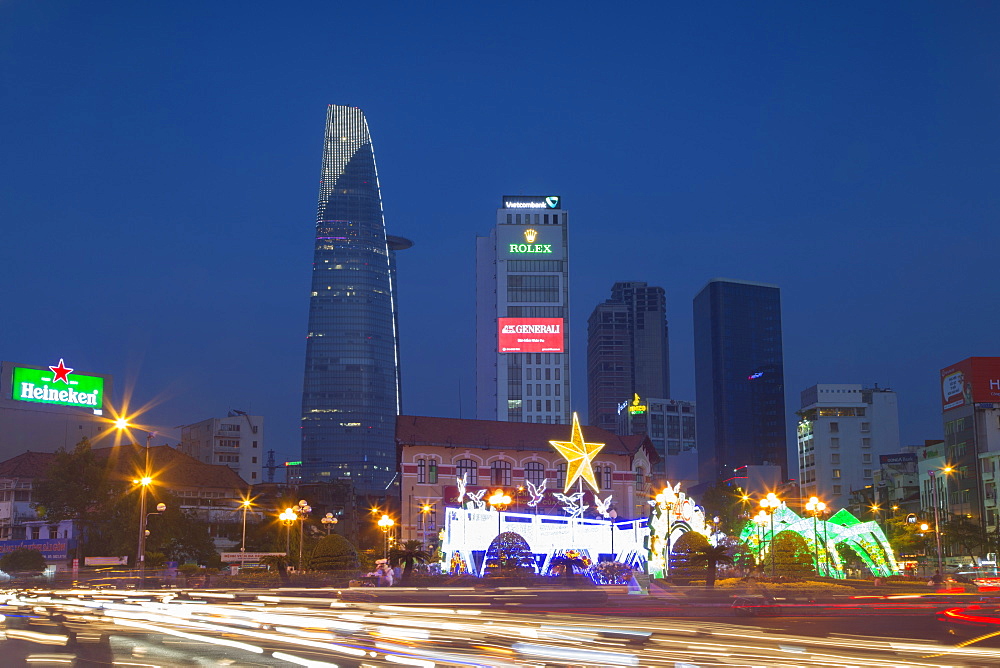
57	385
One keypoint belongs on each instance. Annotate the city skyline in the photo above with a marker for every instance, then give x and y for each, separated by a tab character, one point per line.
818	149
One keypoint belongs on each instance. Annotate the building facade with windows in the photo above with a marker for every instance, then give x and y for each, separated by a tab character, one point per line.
627	350
236	441
843	429
351	392
436	452
671	426
970	412
739	378
522	313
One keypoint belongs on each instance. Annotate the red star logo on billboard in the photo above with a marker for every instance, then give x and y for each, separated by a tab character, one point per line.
61	372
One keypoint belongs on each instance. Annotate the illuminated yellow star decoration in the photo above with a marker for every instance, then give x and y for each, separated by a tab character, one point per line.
578	456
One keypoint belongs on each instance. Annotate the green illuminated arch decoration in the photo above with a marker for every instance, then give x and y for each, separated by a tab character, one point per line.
865	538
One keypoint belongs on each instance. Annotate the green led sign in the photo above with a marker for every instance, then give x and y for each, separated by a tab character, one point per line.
293	463
56	386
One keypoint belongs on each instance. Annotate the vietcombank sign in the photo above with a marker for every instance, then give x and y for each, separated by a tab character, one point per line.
58	385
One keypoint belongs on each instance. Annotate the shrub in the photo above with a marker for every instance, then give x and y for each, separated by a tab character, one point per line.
22	560
682	550
610	573
789	556
189	569
333	553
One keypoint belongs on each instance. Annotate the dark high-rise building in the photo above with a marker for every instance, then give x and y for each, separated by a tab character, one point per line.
627	351
351	394
739	378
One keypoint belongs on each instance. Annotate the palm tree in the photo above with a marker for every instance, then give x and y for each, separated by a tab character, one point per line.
411	552
276	562
711	557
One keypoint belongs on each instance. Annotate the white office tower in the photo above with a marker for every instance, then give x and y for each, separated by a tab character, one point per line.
842	430
522	311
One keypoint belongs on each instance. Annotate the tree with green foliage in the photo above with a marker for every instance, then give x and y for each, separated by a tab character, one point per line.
409	553
333	553
728	504
711	558
75	487
965	534
789	556
22	560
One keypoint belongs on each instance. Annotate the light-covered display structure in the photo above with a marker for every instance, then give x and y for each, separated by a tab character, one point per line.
866	539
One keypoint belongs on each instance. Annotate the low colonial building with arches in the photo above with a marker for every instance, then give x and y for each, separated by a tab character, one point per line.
436	452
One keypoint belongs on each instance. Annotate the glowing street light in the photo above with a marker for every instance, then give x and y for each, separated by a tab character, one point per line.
667	499
385	524
499	501
328	521
122	424
245	506
301	510
769	504
287	517
814	507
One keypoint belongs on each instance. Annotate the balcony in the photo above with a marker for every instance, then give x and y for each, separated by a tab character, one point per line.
990	501
987	475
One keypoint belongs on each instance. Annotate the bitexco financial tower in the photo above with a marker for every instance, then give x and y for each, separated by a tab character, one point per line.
351	394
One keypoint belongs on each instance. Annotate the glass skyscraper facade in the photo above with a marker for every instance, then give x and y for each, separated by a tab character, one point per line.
739	378
351	394
627	351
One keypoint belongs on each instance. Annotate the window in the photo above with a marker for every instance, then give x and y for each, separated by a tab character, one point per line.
834	427
835	442
866	458
528	388
253	460
432	472
836	490
866	443
557	373
500	473
548	404
468	468
421	471
607	478
548	374
253	476
868	473
835	458
561	476
557	389
534	472
866	427
836	473
640	479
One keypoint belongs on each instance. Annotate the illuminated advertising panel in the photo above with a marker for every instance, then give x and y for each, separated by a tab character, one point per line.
530	242
532	202
58	385
972	381
530	335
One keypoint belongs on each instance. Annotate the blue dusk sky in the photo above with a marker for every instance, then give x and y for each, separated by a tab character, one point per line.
159	167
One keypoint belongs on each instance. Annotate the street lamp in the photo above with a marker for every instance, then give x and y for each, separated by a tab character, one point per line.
385	524
760	519
424	509
499	501
667	499
769	504
122	424
814	508
328	521
301	510
613	516
287	517
245	506
937	531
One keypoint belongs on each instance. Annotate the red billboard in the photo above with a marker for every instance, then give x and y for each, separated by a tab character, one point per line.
530	335
972	381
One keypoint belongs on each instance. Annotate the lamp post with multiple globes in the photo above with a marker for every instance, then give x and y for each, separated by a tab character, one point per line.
287	517
667	499
814	507
769	504
760	519
328	521
385	523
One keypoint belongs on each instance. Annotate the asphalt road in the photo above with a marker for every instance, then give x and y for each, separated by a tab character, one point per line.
320	628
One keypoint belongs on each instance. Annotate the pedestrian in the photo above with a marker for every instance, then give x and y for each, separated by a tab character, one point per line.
936	579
